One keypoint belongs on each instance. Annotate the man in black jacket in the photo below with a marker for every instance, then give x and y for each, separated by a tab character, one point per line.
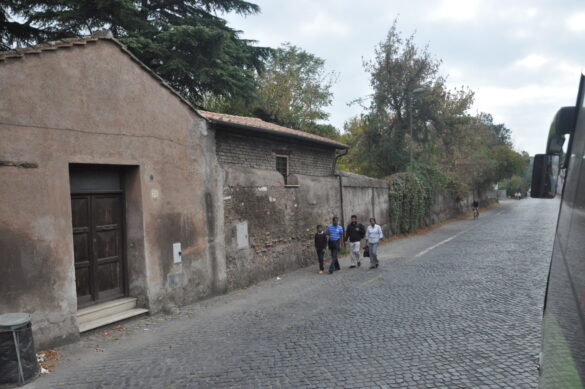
355	232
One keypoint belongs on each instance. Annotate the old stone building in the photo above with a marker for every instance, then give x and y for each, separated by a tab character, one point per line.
118	197
103	169
278	185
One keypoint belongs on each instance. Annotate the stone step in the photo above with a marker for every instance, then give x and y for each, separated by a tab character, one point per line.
106	309
90	325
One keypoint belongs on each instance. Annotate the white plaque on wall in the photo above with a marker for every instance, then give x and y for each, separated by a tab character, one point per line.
242	235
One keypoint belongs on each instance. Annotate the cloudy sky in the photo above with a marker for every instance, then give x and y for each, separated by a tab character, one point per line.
523	58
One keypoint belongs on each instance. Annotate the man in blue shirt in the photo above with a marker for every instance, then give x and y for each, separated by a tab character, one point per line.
335	234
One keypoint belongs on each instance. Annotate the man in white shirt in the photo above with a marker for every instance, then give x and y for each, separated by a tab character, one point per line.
373	236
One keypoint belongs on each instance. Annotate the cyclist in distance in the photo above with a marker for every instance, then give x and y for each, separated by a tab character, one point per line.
475	206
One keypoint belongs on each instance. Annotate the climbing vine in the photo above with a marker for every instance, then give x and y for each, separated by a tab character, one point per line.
411	198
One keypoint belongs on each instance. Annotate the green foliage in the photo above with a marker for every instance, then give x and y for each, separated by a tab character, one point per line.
515	184
500	131
294	90
354	138
411	197
185	42
410	201
398	69
521	178
14	33
469	153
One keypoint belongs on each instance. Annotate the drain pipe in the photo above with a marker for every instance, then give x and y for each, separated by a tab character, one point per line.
342	216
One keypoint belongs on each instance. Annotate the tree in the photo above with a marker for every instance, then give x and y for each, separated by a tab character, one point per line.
451	148
15	33
353	136
502	133
399	67
294	91
185	42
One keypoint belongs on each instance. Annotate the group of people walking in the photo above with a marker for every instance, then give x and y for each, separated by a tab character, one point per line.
331	238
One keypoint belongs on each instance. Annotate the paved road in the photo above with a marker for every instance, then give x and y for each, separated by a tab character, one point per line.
459	307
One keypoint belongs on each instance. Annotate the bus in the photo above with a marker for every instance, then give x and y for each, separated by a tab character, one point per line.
562	358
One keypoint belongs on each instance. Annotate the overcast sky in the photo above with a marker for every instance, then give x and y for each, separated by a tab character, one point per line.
522	58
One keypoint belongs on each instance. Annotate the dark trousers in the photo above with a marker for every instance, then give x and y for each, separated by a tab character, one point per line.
334	247
320	256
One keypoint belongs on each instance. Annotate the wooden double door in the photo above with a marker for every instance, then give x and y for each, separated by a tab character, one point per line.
98	232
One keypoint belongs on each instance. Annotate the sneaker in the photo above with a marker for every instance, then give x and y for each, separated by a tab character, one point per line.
359	264
321	272
330	271
352	267
373	267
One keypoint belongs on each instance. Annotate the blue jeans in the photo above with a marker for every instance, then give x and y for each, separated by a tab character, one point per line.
373	253
334	246
320	256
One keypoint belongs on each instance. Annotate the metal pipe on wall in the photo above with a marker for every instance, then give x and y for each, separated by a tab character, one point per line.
341	215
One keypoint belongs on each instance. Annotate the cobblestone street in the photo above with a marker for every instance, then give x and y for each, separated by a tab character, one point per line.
458	307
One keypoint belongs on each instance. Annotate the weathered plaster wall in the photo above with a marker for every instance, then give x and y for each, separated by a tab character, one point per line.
275	223
447	205
94	105
270	228
365	197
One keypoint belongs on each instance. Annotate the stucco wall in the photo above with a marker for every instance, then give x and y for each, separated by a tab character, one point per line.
447	205
365	197
94	105
270	228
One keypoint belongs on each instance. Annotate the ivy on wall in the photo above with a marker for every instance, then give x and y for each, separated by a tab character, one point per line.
411	197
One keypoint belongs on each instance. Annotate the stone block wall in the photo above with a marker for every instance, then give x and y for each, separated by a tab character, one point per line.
259	152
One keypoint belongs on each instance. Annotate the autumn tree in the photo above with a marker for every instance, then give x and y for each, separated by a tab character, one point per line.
295	89
448	144
398	69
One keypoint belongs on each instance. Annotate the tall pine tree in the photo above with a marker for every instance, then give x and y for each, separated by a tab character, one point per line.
186	42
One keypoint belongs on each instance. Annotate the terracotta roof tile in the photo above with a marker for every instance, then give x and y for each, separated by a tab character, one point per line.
54	45
259	124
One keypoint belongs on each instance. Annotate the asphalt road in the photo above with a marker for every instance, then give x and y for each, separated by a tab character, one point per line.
458	307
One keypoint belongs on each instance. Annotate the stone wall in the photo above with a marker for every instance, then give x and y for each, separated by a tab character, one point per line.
269	228
255	151
365	197
447	205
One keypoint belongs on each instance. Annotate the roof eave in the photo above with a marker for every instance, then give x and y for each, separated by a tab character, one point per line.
331	144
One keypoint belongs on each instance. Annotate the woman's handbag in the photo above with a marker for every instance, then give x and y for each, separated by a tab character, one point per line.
367	252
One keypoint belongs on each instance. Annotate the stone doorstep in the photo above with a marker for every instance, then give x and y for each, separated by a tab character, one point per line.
107	313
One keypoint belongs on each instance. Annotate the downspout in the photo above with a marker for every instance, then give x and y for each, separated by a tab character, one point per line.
342	216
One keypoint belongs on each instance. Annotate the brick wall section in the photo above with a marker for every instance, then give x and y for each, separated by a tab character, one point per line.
259	152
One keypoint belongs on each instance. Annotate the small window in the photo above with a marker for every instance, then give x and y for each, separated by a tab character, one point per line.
282	166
